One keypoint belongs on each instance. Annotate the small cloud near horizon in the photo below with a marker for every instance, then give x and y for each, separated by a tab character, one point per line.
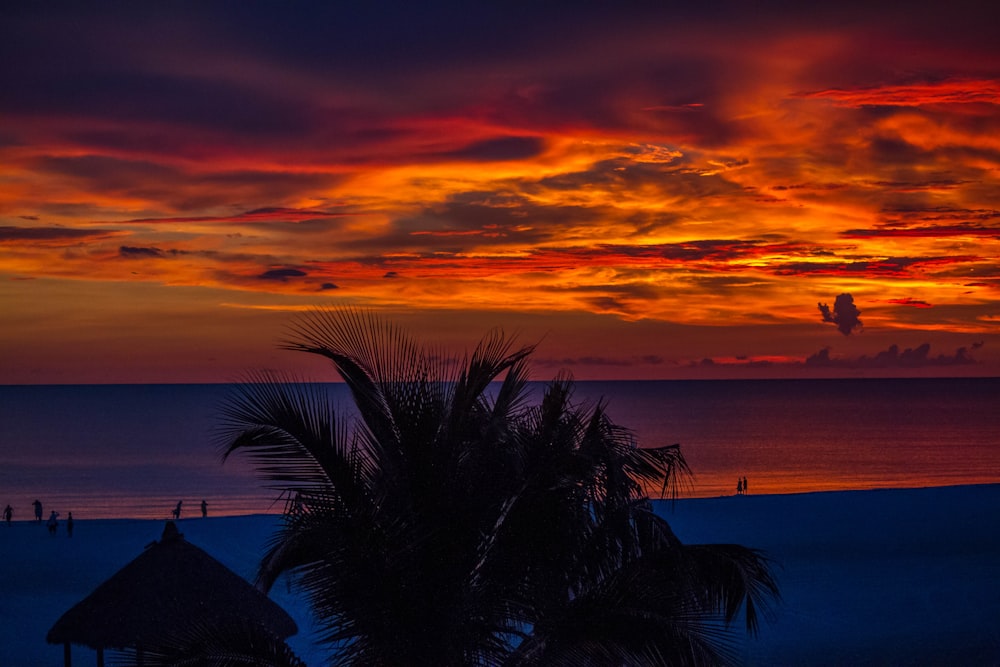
892	357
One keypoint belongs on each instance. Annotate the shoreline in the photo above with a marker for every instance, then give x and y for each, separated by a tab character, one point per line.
191	512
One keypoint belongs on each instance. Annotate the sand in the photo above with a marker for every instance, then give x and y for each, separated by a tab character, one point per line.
886	577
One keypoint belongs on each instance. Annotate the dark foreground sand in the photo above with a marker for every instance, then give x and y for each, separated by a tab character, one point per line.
889	577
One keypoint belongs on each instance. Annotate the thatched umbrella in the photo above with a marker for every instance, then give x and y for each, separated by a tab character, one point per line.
170	586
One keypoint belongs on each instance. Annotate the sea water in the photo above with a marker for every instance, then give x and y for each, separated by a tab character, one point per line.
105	451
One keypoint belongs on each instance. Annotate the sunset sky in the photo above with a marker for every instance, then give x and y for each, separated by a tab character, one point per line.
646	193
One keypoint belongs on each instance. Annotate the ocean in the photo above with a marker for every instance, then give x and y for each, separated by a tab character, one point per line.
116	451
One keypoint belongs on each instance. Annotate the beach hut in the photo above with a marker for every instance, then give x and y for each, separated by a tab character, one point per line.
170	586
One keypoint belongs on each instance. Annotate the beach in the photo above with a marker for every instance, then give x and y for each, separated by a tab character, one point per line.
880	577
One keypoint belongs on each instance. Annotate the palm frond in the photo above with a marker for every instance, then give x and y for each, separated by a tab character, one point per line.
734	578
295	439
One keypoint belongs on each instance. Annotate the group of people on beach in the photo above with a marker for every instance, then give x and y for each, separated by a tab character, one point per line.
53	521
741	486
176	511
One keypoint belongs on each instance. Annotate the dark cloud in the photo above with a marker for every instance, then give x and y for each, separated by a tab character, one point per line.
569	362
723	250
261	215
500	149
132	252
671	179
924	231
889	266
557	100
50	233
328	286
845	314
180	190
612	304
893	151
391	274
488	219
616	296
892	357
282	275
917	185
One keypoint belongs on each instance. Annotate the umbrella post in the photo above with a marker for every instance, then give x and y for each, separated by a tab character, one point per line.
100	656
67	655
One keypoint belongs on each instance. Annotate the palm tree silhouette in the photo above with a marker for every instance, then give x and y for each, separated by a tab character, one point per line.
452	521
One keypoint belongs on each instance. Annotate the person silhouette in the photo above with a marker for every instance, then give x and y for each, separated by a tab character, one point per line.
69	525
53	522
204	509
739	486
177	510
38	510
744	486
8	514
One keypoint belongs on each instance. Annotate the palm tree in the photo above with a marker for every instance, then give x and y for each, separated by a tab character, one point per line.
452	521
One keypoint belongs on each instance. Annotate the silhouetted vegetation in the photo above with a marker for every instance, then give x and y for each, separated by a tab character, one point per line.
453	521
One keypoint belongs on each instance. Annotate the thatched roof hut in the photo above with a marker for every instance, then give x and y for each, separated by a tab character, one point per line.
169	586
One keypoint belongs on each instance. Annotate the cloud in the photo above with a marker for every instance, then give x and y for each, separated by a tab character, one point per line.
886	267
951	91
263	215
492	218
50	234
924	231
659	172
675	178
282	275
183	188
500	149
845	314
132	252
916	303
892	357
593	360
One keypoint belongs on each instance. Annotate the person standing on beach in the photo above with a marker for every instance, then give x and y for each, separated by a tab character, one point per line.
177	510
8	514
744	486
38	510
53	522
739	486
69	525
204	509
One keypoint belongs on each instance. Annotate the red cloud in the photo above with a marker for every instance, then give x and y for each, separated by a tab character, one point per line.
916	303
953	91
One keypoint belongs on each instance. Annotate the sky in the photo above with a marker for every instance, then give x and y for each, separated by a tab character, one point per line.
645	191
